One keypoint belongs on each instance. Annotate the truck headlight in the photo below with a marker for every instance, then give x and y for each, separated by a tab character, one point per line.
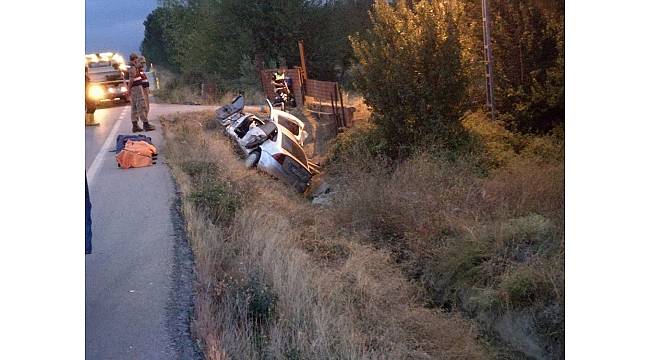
123	89
111	90
96	92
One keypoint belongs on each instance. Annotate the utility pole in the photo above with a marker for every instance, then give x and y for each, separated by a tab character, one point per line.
487	51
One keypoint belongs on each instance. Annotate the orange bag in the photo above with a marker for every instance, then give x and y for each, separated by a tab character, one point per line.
136	154
141	147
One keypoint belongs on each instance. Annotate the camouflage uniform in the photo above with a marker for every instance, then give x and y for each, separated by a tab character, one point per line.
138	105
145	81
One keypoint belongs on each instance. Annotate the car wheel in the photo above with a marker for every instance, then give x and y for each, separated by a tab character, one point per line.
252	159
300	187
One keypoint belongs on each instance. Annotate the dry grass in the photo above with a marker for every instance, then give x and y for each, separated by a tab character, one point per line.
482	233
278	278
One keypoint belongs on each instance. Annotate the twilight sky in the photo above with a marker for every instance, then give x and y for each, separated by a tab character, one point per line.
116	25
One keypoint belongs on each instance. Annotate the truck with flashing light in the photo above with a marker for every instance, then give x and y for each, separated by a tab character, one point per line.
106	73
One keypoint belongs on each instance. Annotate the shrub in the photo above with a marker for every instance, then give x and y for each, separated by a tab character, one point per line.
216	199
260	299
410	74
524	286
358	143
494	143
197	168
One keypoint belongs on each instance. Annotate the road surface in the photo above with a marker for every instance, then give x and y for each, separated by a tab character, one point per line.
138	279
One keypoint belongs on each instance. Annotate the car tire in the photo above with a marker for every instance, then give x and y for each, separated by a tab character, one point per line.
252	159
300	187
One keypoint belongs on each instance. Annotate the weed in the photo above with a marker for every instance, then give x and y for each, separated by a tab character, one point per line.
197	168
261	300
216	200
524	287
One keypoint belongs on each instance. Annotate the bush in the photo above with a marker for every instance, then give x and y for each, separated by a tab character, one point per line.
215	197
216	200
260	300
524	287
411	76
358	143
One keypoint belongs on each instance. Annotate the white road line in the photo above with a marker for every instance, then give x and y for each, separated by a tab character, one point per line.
103	152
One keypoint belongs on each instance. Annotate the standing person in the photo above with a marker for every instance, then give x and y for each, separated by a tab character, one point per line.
138	107
278	81
145	82
90	104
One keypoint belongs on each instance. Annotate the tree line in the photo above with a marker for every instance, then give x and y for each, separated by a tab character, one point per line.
223	39
418	64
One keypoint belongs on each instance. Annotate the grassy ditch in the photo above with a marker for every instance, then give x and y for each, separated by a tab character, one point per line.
481	233
280	278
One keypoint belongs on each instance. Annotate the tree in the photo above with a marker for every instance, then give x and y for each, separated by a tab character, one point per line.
411	75
154	46
529	63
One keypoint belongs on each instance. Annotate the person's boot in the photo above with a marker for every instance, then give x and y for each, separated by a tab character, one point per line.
136	128
148	127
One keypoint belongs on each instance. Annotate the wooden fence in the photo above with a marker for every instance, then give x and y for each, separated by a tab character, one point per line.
326	94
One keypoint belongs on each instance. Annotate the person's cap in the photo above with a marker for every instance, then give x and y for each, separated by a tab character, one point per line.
133	56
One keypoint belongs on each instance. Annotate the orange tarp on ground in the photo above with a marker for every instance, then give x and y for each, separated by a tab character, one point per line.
136	154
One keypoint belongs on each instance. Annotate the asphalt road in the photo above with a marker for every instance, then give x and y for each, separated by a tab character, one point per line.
139	277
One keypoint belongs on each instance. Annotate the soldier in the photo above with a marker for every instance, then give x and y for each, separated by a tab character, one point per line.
138	106
145	82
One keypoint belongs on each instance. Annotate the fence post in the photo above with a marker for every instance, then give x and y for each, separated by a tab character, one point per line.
336	113
345	122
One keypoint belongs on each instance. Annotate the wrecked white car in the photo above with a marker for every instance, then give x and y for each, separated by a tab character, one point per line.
273	145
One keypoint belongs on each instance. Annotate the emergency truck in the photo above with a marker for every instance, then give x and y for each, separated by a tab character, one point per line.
106	72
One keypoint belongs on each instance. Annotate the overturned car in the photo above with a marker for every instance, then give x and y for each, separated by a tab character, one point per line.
273	145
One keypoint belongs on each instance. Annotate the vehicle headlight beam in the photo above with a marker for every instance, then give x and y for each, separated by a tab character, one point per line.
96	92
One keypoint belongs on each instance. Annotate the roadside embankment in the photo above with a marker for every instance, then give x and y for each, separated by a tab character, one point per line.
280	278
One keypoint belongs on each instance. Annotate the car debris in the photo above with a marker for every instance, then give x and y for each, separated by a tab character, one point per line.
273	145
323	194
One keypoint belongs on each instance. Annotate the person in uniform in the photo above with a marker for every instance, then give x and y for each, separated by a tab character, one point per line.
145	82
278	81
138	105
